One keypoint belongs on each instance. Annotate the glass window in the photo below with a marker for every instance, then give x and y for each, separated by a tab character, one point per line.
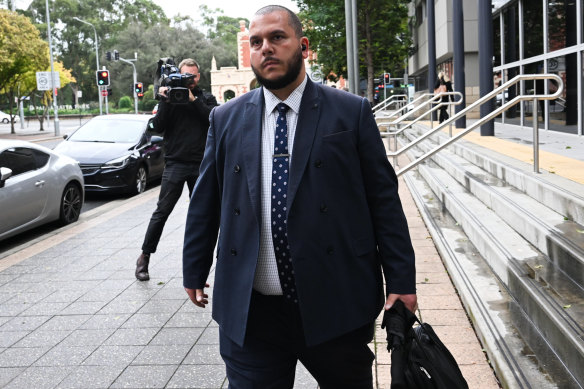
18	159
110	130
511	23
497	41
557	18
532	28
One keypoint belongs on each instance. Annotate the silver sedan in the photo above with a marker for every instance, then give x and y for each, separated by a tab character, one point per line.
37	186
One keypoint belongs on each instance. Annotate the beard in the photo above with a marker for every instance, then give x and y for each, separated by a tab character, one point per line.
294	67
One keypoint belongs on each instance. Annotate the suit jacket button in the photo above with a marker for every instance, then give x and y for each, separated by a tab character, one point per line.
323	208
318	163
236	211
236	169
233	252
330	250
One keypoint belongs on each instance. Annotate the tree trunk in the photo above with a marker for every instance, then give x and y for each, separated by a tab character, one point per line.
10	106
369	54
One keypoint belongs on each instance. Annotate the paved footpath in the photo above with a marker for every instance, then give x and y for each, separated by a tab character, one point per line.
72	314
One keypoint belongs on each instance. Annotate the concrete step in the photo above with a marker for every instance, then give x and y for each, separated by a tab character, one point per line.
560	239
540	294
484	297
564	196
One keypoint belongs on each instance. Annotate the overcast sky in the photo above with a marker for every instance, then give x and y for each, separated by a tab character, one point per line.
233	8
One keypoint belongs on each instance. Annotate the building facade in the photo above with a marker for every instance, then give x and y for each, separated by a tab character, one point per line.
529	37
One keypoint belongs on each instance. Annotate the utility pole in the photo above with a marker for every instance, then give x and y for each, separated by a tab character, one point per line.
350	53
55	109
96	60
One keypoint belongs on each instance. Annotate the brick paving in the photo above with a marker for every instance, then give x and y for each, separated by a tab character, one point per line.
72	315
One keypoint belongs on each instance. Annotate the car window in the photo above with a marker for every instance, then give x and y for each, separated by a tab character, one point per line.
19	160
111	131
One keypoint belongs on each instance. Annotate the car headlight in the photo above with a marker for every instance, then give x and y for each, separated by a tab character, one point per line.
117	163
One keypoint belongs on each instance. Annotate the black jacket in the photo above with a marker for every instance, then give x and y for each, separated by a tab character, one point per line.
184	127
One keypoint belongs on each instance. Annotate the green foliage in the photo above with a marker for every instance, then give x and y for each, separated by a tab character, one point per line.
129	26
382	33
125	102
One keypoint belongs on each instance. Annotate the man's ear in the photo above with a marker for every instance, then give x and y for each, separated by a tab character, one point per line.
304	44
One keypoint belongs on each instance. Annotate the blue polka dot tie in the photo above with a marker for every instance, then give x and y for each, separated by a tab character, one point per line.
281	161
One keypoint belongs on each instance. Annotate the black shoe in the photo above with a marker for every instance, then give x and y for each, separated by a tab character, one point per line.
142	267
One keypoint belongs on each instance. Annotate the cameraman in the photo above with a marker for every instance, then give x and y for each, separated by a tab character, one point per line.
185	133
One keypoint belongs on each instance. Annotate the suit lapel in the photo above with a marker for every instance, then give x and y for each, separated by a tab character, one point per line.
251	143
303	138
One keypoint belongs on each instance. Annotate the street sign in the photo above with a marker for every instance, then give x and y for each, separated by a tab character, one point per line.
104	92
44	80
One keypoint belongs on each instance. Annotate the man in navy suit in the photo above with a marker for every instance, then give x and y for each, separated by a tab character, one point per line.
296	179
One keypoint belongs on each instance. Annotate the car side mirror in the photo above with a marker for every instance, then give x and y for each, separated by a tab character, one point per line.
5	173
65	136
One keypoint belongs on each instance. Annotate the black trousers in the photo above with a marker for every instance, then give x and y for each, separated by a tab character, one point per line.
274	342
174	177
443	114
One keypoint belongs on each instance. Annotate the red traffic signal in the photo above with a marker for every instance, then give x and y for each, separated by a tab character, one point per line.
103	78
139	88
386	78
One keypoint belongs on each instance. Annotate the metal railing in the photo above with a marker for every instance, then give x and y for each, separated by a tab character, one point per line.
410	106
435	103
387	102
490	116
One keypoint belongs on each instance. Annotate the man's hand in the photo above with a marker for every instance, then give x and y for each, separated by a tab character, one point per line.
191	96
409	300
198	296
162	91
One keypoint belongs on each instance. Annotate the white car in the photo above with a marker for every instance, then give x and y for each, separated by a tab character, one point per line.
5	118
37	186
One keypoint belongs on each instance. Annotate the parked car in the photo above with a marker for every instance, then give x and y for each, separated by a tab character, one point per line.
5	118
116	153
37	186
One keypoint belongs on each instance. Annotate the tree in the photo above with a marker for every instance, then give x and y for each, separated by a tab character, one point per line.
382	34
46	97
75	41
22	52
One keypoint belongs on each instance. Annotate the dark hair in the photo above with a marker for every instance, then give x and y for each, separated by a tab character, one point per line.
293	19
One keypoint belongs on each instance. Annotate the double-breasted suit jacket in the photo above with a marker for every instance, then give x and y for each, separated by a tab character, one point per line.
345	219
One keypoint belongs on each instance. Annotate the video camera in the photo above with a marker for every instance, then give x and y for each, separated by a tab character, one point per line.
178	84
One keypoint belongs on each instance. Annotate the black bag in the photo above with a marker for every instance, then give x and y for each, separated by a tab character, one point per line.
429	364
419	360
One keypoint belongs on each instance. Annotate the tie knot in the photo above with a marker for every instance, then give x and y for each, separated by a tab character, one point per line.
282	108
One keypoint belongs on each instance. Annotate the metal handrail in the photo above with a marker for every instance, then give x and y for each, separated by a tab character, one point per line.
411	104
435	102
492	115
388	102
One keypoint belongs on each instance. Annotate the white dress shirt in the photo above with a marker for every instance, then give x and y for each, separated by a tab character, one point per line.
266	279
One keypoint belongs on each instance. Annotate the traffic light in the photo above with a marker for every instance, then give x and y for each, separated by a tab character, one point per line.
103	78
139	87
386	78
110	91
108	55
116	55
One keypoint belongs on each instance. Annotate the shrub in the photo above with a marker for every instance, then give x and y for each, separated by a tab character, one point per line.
125	102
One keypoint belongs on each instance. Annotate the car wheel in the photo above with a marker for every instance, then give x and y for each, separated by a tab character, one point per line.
4	120
71	202
140	180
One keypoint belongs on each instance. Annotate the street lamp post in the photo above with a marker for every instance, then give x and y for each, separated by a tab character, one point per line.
56	113
135	79
96	59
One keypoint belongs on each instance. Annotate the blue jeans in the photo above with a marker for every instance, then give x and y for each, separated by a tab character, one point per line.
173	180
